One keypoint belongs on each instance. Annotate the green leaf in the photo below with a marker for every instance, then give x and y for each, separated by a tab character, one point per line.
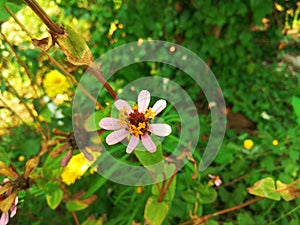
54	194
207	194
265	188
95	186
74	47
76	205
146	158
245	219
296	106
171	191
92	221
3	86
46	114
92	122
155	212
189	196
260	9
4	15
287	192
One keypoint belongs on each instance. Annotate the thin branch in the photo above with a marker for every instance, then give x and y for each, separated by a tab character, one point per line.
73	79
20	61
75	218
13	112
203	219
96	71
20	98
18	21
37	9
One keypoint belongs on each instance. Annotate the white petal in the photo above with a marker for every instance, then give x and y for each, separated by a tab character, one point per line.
159	106
109	123
132	144
148	143
121	104
161	130
116	136
143	101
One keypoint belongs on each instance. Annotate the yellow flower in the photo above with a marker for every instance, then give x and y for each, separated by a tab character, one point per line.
21	158
248	144
76	167
139	190
55	83
275	142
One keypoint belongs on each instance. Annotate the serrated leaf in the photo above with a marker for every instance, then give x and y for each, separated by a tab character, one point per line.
74	47
155	212
265	188
54	198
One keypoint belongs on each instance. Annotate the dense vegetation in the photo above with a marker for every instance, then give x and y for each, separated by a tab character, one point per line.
250	46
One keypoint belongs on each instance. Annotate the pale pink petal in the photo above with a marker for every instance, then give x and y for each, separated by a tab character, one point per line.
132	144
13	208
116	136
161	130
148	143
159	106
4	219
143	101
109	123
121	104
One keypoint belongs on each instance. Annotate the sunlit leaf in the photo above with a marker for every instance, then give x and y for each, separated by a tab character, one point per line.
287	192
265	188
7	171
74	47
155	212
30	165
54	198
7	202
77	205
92	221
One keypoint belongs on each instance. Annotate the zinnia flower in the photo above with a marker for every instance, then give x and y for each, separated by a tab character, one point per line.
13	208
135	121
55	83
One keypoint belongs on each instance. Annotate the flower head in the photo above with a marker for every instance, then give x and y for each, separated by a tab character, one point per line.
75	169
135	121
248	144
215	180
275	142
55	83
